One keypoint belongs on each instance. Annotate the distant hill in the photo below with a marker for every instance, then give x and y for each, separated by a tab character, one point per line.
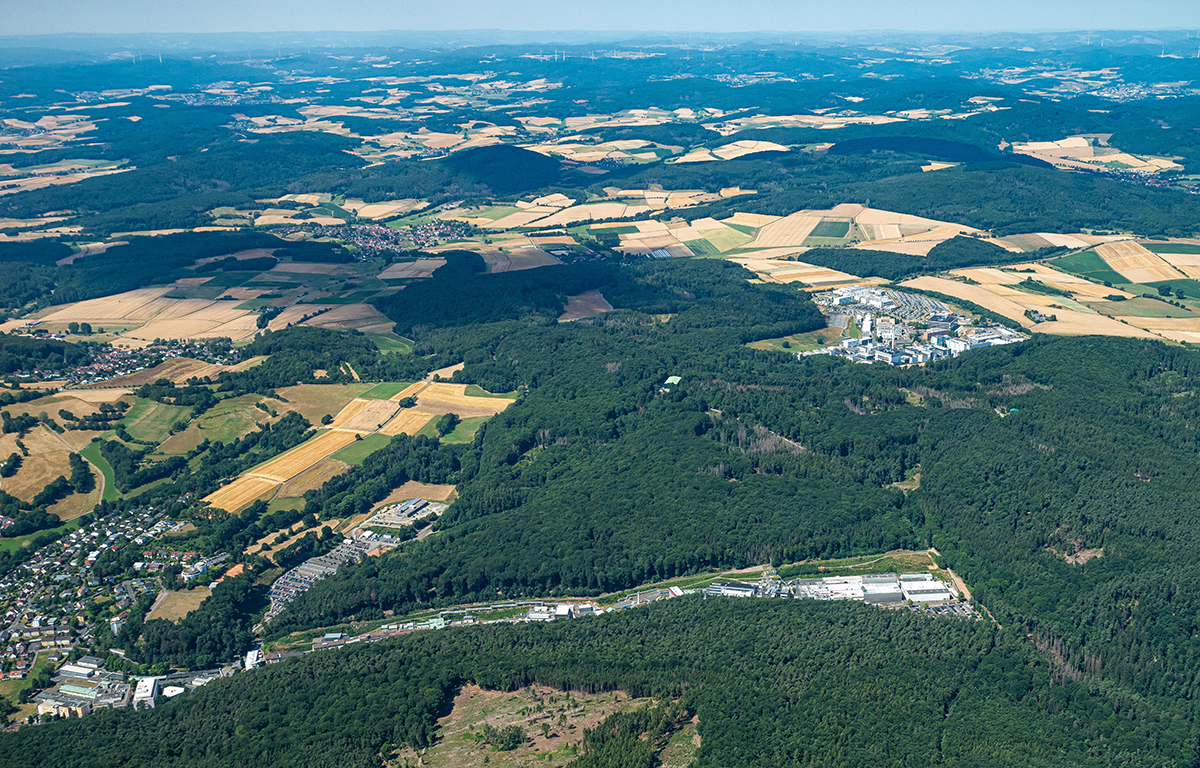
505	170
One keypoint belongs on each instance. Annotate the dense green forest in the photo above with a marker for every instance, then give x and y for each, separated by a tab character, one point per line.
1072	516
597	481
955	253
772	683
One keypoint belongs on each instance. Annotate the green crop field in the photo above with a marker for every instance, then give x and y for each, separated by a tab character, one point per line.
831	229
227	420
474	390
391	343
702	247
464	432
148	420
1090	265
253	305
359	450
1190	288
385	391
1140	307
725	239
1171	247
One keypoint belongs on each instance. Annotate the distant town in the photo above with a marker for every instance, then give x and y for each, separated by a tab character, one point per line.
899	328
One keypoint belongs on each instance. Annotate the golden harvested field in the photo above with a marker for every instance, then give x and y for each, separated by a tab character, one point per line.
407	422
97	395
583	305
456	394
1012	303
773	270
349	412
301	458
899	246
1065	241
1136	263
1187	263
411	389
174	606
48	458
313	478
1042	274
790	230
445	373
75	505
148	315
368	418
1177	328
414	490
755	220
36	472
241	493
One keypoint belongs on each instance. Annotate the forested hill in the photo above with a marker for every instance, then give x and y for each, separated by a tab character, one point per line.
772	683
598	480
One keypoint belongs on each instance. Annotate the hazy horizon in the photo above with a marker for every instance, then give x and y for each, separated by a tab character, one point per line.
621	16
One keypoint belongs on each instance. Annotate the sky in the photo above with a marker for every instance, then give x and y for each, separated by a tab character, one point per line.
32	17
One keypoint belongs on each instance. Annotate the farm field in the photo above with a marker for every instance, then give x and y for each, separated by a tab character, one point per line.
77	504
464	431
583	305
173	606
312	401
151	421
456	394
361	449
47	459
1013	303
385	391
369	416
801	342
391	343
1136	263
242	492
92	454
1090	265
313	478
148	314
408	422
302	457
227	420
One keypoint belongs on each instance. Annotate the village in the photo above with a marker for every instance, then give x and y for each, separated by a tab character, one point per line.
899	328
56	602
107	361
